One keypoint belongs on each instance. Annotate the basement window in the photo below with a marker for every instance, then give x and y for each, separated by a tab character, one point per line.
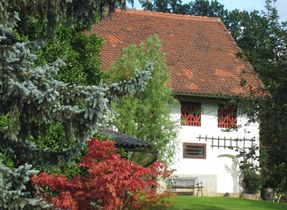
227	116
190	114
192	150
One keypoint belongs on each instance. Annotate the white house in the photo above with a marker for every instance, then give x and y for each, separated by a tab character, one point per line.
207	149
205	71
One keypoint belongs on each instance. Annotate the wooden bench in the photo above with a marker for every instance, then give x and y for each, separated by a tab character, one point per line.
186	183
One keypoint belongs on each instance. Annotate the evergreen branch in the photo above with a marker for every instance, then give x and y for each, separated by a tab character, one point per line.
28	151
39	98
130	87
13	189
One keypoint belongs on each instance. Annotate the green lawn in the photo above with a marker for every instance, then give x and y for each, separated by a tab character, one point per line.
221	203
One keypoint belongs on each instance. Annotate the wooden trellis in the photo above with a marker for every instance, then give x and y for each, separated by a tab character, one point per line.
229	143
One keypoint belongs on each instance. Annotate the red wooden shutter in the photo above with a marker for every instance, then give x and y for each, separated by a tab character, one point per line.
227	116
191	114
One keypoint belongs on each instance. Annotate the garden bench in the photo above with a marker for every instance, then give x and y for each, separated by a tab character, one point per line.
186	183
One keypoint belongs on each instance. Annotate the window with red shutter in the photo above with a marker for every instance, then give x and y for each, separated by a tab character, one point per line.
191	114
227	116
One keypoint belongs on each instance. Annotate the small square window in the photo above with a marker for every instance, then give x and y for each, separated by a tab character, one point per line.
191	150
227	116
190	114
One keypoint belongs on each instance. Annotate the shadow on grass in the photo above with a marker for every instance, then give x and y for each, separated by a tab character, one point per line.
198	207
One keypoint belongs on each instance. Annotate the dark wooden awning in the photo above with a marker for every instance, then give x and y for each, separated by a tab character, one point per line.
129	143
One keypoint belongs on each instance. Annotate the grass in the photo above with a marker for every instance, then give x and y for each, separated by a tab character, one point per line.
221	203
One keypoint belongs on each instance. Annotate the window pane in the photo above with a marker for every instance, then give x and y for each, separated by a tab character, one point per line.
191	114
227	116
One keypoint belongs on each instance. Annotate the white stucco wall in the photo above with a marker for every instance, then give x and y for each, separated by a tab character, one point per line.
217	171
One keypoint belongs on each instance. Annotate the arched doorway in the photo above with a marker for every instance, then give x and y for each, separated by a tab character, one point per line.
227	174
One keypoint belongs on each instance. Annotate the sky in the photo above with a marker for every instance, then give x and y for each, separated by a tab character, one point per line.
248	5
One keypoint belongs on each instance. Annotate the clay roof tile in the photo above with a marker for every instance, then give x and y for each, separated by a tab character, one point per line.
200	52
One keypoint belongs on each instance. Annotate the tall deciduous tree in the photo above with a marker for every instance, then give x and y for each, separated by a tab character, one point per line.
146	115
263	39
197	7
81	53
271	64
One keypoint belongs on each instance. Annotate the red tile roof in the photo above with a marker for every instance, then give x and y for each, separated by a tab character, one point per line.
200	52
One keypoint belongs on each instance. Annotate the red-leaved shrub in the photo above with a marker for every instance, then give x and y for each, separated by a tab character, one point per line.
111	182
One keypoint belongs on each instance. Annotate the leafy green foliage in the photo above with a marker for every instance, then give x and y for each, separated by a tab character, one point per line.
196	7
80	52
146	115
264	41
252	181
249	165
71	13
37	99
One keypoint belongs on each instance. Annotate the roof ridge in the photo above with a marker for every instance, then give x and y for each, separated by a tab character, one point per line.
169	15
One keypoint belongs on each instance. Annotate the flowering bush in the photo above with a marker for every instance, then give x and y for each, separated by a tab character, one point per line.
108	182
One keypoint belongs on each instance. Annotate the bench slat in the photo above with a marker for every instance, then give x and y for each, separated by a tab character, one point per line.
186	183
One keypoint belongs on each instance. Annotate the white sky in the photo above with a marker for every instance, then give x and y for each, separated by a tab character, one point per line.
248	5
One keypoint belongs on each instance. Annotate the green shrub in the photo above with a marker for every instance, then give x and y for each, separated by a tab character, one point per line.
252	181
